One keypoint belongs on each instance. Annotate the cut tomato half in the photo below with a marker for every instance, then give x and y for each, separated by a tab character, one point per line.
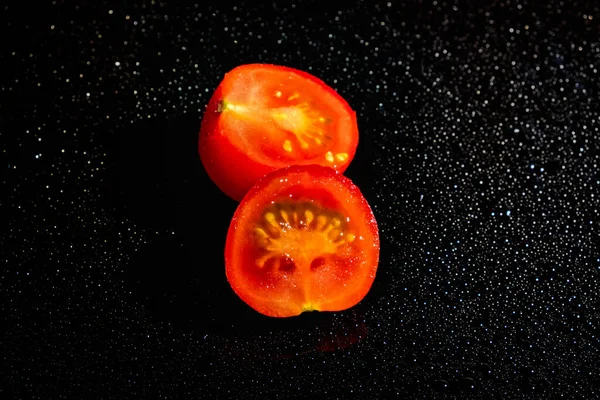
303	239
265	117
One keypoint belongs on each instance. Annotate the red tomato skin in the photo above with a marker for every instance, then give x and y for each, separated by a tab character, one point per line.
290	309
231	168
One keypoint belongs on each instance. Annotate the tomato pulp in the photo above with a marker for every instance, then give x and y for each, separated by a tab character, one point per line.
265	117
303	238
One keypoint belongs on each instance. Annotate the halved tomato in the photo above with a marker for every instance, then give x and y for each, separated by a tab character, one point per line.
265	117
303	238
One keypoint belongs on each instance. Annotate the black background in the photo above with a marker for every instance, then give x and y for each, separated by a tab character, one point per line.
478	154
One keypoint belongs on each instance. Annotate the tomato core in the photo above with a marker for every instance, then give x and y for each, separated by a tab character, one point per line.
300	232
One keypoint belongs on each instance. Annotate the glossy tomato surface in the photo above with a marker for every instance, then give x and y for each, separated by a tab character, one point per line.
265	117
303	238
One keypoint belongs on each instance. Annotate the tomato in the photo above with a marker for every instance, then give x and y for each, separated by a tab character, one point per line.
265	117
303	238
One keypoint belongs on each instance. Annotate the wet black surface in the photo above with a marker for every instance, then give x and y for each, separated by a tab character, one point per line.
478	154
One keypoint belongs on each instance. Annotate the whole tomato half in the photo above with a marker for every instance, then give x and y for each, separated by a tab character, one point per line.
265	117
302	239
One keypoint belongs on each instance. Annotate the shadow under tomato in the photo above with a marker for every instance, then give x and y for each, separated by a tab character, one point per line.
158	185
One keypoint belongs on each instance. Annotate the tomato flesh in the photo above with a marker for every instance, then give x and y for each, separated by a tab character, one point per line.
303	239
265	117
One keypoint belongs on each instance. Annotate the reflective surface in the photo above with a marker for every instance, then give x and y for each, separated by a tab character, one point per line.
478	154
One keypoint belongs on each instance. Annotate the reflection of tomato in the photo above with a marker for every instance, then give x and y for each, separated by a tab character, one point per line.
265	117
258	338
302	239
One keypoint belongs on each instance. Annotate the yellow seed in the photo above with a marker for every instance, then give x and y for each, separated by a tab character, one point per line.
336	222
321	119
270	218
341	156
350	237
287	146
278	93
318	141
321	221
294	96
285	216
261	237
334	234
309	216
329	156
260	233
